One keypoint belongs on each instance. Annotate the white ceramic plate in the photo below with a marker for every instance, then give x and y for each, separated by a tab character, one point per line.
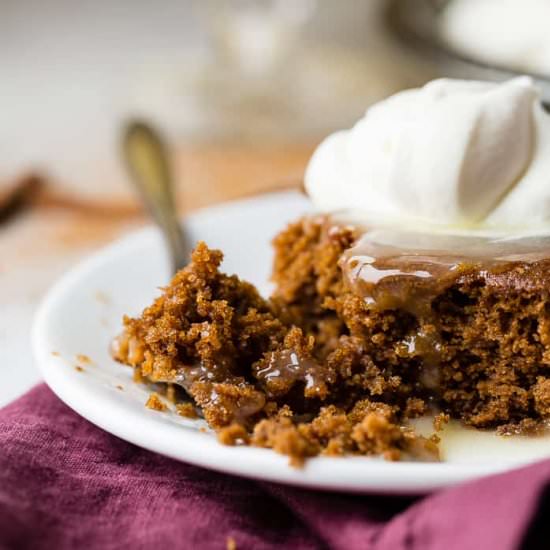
83	312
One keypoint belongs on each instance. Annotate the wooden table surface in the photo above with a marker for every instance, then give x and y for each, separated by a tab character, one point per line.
56	229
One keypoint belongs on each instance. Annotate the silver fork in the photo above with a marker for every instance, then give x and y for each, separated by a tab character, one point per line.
147	160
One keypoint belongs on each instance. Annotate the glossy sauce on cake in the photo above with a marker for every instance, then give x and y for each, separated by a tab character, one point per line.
407	270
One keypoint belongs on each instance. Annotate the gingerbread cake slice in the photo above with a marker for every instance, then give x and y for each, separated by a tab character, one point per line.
420	288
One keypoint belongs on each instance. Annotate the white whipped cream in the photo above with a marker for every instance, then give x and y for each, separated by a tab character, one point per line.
509	33
454	153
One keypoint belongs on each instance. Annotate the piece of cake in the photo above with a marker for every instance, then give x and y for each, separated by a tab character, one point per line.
420	288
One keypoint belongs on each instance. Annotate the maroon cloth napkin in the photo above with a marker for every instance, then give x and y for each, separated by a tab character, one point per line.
66	484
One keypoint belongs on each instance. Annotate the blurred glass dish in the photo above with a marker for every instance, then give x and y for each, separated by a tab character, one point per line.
500	32
256	37
281	71
417	24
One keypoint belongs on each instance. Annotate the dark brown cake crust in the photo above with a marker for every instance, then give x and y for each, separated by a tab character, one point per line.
316	369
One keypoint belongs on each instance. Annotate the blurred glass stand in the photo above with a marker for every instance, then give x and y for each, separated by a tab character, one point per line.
278	71
251	81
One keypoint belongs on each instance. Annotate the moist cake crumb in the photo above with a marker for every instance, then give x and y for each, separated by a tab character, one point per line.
234	434
526	426
155	403
440	420
187	410
316	369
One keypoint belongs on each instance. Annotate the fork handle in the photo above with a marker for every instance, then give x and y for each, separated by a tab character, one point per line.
147	161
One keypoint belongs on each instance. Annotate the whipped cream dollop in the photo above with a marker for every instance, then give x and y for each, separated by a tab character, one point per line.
453	153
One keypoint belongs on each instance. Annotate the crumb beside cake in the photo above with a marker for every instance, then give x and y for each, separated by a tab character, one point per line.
155	403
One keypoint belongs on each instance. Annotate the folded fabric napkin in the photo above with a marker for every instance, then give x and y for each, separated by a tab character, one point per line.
66	484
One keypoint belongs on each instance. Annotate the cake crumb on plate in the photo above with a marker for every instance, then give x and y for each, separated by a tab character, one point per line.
155	403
